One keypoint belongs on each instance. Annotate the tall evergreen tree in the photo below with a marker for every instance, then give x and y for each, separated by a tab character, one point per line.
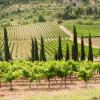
56	56
82	49
32	52
67	57
73	52
42	51
36	56
75	44
90	55
60	54
6	47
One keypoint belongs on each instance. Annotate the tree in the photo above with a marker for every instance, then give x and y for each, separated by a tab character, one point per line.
56	56
10	73
89	10
41	18
32	51
42	51
75	49
49	71
61	71
67	57
82	50
60	54
90	54
73	52
85	1
85	71
6	47
36	56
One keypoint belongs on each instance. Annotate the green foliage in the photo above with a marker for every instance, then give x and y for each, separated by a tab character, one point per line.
85	71
6	47
90	55
36	56
82	50
67	56
32	51
37	71
41	18
75	45
55	56
60	53
42	51
84	27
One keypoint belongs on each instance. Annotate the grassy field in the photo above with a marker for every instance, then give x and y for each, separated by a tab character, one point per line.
81	94
72	94
84	27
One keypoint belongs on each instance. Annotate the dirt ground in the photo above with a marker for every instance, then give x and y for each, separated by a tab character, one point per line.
95	41
21	89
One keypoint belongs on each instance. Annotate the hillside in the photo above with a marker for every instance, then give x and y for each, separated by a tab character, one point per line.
49	1
20	40
25	19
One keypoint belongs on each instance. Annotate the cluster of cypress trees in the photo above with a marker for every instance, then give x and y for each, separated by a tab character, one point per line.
35	54
75	54
58	54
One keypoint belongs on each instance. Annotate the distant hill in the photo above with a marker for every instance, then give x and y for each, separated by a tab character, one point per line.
50	1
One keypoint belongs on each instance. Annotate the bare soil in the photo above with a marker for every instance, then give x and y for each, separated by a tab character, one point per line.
95	41
21	88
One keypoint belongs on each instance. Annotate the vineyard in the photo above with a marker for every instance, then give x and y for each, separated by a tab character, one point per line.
52	73
20	39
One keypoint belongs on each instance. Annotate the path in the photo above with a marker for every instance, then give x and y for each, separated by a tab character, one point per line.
70	35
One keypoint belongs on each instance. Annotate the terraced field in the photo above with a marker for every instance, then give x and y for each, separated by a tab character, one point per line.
20	39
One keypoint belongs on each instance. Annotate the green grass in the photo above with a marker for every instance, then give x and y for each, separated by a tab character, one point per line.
83	28
80	94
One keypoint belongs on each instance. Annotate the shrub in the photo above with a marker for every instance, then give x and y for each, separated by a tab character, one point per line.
41	18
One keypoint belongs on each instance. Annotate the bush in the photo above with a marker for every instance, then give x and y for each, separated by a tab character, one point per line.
41	18
59	21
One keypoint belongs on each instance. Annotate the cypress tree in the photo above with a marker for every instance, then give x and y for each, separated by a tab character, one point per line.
32	50
75	44
73	52
56	56
36	56
60	54
82	49
6	47
90	55
42	51
67	57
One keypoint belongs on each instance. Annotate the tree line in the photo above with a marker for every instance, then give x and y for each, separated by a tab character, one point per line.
75	54
73	12
35	56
